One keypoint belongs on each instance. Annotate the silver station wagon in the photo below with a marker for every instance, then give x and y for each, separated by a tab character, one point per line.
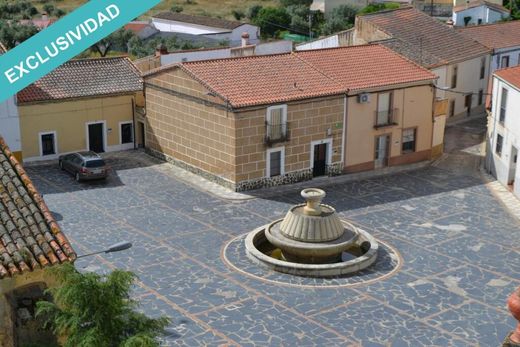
84	165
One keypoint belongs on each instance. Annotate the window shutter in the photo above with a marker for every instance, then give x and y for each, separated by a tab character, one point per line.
275	123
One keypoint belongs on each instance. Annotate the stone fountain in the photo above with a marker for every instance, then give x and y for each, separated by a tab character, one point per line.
312	241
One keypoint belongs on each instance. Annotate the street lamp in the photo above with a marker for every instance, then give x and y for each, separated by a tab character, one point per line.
116	247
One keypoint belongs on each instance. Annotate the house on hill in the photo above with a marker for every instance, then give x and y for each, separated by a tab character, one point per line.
259	121
86	104
31	241
209	27
478	12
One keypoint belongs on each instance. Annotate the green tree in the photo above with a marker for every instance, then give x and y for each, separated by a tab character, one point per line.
514	6
12	33
118	40
341	18
252	12
96	310
271	20
286	3
379	7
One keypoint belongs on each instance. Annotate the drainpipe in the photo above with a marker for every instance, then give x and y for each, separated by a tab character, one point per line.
344	134
133	123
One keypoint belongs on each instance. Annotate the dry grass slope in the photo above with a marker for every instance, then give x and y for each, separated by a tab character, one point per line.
213	8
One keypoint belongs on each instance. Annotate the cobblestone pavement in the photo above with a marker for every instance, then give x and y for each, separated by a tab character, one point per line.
459	250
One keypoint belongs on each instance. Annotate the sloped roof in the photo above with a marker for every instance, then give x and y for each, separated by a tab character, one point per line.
30	238
136	26
367	66
511	75
423	35
479	3
199	20
85	78
262	80
2	48
498	35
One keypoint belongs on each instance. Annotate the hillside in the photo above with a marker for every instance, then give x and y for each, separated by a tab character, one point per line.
213	8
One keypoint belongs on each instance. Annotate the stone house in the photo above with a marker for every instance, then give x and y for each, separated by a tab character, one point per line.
503	39
85	104
503	135
31	241
259	121
460	63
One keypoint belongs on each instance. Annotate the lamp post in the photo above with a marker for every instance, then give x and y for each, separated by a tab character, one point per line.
116	247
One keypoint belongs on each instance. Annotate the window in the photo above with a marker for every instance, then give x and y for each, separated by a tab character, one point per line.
276	123
384	109
452	108
127	133
454	76
503	105
500	141
48	143
409	140
467	100
479	21
504	61
275	162
480	96
482	68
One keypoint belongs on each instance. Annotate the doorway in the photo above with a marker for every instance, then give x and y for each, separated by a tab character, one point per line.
467	103
512	166
96	142
141	135
381	155
320	160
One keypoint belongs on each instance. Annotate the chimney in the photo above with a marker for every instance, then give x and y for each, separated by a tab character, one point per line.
45	16
245	39
161	49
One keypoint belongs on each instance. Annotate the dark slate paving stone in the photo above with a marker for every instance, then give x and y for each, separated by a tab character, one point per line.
192	286
492	229
477	324
205	339
481	285
270	209
483	254
384	221
144	179
112	199
279	327
359	188
158	221
190	202
372	324
417	297
387	197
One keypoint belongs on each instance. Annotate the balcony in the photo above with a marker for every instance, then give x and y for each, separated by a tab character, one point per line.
440	107
386	118
276	133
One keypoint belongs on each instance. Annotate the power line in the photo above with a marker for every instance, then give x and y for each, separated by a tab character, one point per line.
458	92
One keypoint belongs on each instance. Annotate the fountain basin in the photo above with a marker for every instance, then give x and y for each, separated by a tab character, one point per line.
360	254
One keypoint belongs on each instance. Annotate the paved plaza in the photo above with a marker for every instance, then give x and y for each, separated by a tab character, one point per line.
452	258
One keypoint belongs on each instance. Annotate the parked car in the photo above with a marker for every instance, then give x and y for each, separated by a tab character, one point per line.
84	165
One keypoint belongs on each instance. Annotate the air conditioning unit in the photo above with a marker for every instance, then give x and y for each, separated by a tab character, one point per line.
363	98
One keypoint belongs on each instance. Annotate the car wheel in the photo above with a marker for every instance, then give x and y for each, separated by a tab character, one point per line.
61	165
78	178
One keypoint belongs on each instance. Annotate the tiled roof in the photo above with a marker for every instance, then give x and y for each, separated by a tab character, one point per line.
30	238
136	26
2	48
479	3
498	35
262	80
199	20
424	35
85	78
367	66
511	75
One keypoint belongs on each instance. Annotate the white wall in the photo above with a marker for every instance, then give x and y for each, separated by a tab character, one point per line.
502	167
187	28
512	52
282	46
485	13
10	124
326	42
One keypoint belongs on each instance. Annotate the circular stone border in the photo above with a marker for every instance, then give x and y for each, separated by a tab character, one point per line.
242	264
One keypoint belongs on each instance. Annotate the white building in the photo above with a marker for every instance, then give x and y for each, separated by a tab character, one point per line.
10	121
504	128
214	28
478	12
502	38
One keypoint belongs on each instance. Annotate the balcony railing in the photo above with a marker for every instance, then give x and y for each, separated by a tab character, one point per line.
276	133
386	118
440	107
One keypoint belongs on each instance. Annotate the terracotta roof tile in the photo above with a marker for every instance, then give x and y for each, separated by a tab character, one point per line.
30	238
423	34
366	66
262	80
85	78
2	49
498	35
136	27
199	20
511	75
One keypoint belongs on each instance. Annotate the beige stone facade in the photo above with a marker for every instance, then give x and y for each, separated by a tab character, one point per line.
188	125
